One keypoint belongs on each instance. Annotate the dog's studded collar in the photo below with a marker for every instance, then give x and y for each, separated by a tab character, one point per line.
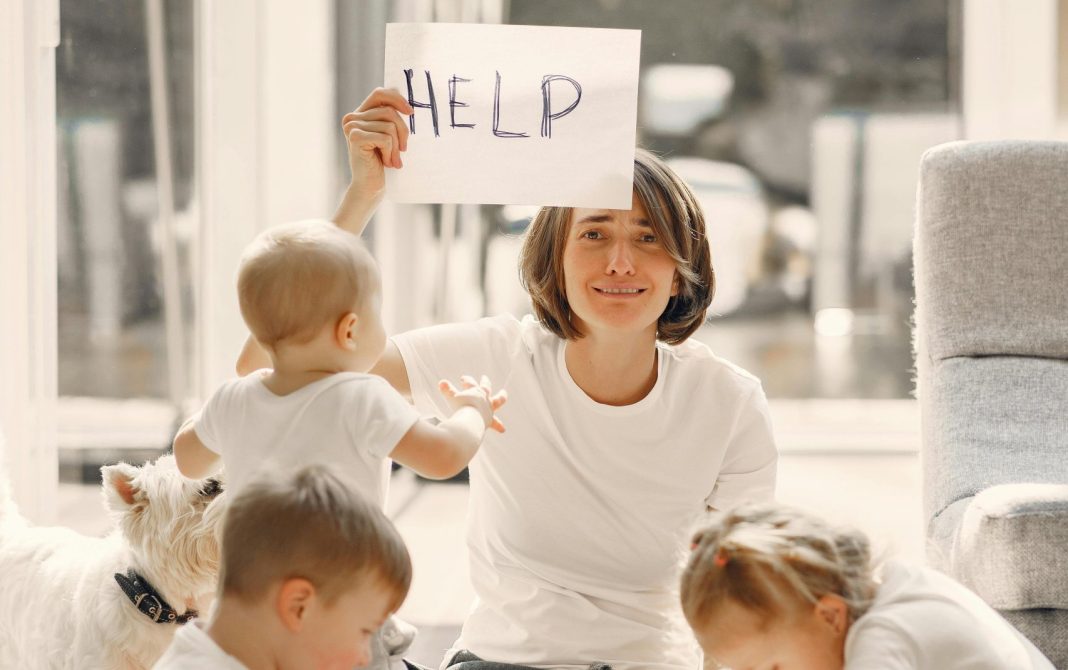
148	601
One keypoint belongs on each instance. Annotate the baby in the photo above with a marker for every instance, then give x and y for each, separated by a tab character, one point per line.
311	296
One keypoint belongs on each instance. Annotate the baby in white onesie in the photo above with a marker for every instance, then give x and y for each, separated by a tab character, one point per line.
310	294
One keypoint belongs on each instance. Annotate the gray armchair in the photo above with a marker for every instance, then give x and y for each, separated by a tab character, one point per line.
991	343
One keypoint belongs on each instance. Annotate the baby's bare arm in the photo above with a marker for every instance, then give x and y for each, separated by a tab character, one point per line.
442	451
194	460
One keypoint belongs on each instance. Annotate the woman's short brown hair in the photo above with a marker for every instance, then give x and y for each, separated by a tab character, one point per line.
677	219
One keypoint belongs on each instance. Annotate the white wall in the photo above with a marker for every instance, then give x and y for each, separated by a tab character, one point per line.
29	33
1010	69
266	137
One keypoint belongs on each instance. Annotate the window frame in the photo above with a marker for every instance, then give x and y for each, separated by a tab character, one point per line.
29	34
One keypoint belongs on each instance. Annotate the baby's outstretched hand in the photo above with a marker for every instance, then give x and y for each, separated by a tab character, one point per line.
478	395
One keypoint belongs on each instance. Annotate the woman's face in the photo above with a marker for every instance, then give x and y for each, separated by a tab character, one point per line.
617	275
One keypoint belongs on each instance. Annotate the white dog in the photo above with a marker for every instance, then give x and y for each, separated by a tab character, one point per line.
70	601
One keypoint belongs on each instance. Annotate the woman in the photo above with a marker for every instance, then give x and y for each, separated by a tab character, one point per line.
621	432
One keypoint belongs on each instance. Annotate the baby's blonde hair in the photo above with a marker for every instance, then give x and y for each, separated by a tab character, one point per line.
296	278
311	525
772	560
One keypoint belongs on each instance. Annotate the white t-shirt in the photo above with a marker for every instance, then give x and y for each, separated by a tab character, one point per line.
579	512
192	649
347	421
923	620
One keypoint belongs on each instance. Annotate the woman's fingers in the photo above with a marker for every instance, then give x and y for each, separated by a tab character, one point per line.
364	141
385	97
387	115
379	114
497	425
387	129
446	387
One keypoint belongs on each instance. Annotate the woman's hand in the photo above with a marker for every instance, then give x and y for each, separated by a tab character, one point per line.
376	134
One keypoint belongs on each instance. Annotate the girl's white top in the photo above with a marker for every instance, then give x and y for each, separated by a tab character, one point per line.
580	513
923	620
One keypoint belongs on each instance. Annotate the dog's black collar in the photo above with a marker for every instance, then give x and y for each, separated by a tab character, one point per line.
150	603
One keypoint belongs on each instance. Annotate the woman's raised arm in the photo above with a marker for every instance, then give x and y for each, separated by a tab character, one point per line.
375	134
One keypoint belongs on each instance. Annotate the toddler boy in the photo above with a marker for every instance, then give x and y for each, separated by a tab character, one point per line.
309	570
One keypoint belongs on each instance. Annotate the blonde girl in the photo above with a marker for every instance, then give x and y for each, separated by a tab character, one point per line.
768	587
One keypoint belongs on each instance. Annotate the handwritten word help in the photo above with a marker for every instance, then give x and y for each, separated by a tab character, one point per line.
426	99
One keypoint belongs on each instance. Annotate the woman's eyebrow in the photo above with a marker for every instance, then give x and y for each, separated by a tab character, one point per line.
603	218
595	218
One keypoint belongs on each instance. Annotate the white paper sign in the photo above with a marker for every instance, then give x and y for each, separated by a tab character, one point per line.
523	115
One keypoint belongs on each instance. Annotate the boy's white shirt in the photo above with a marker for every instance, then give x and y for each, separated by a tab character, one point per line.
348	421
579	512
192	649
923	620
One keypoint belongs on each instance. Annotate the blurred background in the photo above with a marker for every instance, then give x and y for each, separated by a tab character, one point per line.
173	130
799	125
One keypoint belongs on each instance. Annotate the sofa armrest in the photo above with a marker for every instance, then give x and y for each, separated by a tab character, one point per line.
1012	546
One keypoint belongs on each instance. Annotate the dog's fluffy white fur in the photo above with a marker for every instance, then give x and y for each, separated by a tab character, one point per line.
61	605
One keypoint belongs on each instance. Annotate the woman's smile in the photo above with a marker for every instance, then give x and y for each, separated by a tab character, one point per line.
619	291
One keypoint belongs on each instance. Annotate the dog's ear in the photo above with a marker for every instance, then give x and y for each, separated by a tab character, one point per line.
119	487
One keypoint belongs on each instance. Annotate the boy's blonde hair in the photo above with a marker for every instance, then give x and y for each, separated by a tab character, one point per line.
296	278
773	560
312	525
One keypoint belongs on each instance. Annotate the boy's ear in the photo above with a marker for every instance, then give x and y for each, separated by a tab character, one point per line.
833	612
294	597
344	331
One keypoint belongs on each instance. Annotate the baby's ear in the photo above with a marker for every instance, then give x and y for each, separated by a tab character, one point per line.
343	331
120	492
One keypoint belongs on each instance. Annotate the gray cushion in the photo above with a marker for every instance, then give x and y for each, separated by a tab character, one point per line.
991	420
991	249
1011	548
1047	628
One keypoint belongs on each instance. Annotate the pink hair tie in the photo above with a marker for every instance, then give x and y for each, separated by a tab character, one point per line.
721	559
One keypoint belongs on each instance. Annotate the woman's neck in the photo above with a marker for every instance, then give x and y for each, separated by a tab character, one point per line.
617	370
